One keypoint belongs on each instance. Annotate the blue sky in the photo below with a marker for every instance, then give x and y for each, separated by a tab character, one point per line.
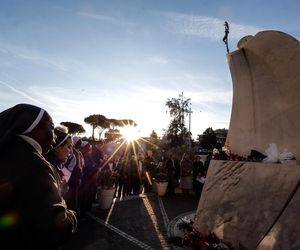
124	58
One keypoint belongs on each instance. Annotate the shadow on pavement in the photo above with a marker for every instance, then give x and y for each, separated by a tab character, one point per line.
135	223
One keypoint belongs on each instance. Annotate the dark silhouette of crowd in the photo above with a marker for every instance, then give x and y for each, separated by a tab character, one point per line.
49	179
33	212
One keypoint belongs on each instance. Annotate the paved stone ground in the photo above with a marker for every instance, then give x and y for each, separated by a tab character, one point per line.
139	222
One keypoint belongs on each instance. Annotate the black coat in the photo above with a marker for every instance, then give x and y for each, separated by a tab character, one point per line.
30	196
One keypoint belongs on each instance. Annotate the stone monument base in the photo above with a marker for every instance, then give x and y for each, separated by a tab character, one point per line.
254	205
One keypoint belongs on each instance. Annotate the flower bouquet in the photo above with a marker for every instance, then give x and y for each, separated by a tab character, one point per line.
107	179
226	155
161	177
194	239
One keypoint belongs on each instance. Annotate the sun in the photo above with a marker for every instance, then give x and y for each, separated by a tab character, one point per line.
130	133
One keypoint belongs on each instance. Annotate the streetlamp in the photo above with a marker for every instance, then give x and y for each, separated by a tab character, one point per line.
190	124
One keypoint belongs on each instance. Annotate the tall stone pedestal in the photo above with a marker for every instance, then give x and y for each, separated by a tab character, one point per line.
242	200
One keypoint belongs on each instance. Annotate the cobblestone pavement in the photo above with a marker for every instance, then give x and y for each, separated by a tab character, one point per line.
136	222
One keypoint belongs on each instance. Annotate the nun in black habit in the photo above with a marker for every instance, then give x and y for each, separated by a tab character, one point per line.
33	214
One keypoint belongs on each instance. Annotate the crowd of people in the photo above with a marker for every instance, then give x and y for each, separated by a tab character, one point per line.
137	174
33	212
49	179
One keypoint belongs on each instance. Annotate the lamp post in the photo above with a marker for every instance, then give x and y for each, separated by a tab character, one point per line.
190	124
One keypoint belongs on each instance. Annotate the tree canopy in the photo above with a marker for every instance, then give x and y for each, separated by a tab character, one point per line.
112	134
102	123
177	131
208	139
152	142
74	128
96	121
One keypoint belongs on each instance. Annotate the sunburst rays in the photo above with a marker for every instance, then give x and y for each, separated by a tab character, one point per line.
127	148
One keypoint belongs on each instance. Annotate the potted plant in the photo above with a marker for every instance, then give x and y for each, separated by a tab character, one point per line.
106	188
161	182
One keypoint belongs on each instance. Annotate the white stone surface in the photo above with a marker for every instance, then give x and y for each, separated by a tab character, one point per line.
266	94
241	200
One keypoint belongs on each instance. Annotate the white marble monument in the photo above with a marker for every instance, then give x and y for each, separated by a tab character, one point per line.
256	205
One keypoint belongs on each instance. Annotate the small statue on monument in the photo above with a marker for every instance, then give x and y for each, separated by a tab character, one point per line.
225	38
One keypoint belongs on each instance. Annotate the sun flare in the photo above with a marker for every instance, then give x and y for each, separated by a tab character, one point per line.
130	133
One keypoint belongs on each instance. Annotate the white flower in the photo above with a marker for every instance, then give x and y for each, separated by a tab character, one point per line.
215	151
